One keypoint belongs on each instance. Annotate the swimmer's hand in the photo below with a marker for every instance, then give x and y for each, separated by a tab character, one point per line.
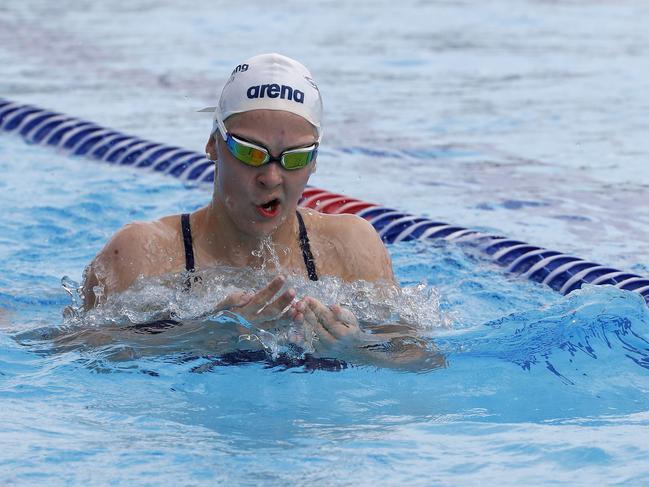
337	334
335	329
262	309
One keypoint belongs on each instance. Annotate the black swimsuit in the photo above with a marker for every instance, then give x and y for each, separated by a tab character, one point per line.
283	360
303	239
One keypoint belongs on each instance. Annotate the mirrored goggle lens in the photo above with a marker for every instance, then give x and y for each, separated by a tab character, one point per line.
246	153
298	160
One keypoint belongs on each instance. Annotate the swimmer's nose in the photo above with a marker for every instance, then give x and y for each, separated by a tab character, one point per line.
269	175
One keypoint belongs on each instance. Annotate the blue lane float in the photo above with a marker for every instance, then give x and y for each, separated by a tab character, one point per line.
82	138
563	273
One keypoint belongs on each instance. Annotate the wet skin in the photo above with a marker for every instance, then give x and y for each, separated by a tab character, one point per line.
250	204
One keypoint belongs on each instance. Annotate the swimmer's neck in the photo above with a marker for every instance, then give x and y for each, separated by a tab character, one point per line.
216	234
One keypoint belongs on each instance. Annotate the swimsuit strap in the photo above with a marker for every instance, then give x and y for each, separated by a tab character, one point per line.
309	261
187	241
305	246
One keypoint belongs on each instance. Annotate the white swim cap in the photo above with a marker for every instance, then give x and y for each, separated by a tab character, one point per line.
271	82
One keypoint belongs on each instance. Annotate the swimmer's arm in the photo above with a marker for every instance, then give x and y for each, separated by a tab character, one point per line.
117	265
398	346
365	256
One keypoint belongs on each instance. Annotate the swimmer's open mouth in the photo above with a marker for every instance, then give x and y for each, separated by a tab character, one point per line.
270	208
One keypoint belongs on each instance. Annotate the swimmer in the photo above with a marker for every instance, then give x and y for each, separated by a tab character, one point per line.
264	140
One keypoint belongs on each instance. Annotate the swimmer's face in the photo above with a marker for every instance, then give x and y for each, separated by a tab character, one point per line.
259	199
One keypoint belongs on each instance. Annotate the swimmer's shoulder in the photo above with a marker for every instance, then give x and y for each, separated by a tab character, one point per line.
351	246
341	227
149	242
138	249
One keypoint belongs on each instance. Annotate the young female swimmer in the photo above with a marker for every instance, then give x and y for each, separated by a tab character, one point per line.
265	138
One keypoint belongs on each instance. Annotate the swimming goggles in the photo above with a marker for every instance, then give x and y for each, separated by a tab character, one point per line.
256	155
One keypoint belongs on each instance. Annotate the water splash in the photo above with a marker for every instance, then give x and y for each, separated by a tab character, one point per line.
163	298
268	253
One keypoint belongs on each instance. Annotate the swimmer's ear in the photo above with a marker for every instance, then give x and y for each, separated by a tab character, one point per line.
210	149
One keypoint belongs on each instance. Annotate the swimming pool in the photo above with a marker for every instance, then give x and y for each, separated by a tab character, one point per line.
537	387
533	379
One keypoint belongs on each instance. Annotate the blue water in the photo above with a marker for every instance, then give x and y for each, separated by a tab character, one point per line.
517	117
535	384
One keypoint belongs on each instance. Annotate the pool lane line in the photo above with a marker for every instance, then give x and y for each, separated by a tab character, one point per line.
563	273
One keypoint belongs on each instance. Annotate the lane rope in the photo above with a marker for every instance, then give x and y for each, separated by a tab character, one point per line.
563	273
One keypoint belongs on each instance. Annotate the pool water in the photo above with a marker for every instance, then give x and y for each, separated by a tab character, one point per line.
535	383
514	117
